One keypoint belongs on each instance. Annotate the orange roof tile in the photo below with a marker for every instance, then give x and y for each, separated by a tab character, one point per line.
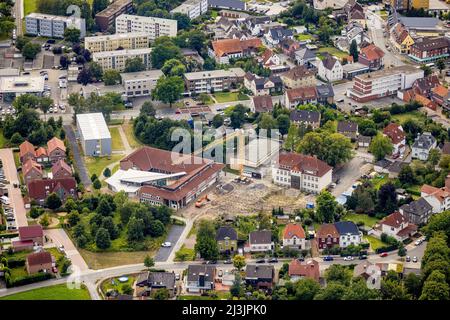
55	143
293	230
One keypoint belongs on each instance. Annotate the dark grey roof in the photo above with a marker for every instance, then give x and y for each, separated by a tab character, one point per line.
364	139
347	126
305	116
329	62
194	271
162	279
325	90
226	232
384	163
424	141
419	22
280	33
259	271
231	4
260	237
396	166
253	21
305	54
418	207
346	227
142	279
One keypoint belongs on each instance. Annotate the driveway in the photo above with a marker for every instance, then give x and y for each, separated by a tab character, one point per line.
59	237
173	236
79	163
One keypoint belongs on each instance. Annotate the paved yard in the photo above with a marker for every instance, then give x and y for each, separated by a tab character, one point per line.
173	236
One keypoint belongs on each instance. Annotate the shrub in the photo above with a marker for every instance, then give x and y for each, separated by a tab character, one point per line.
32	278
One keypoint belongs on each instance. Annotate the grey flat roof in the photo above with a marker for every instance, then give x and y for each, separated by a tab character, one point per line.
93	126
150	74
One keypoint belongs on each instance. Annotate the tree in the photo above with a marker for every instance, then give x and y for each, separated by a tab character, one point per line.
183	21
292	138
126	289
98	5
135	230
173	67
206	244
102	239
160	294
149	262
84	77
204	98
156	228
306	289
148	109
387	198
283	123
333	291
168	89
134	65
239	262
393	290
96	70
354	50
107	172
358	291
426	70
435	287
237	289
380	146
53	201
338	273
434	156
164	49
73	218
440	64
111	77
97	184
104	207
30	50
217	121
238	116
108	224
401	250
21	42
16	138
439	222
406	175
413	284
45	220
326	207
72	35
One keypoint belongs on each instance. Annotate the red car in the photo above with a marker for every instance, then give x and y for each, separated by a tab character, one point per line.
55	270
384	254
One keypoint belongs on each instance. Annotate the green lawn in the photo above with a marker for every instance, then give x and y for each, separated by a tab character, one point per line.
3	140
58	292
414	115
116	139
29	6
98	164
303	37
185	254
355	217
333	51
115	284
132	141
222	97
375	243
379	181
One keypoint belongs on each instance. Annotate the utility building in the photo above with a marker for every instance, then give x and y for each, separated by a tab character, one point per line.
94	134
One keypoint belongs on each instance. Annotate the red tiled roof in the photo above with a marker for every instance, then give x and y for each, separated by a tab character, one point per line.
41	151
293	230
39	189
395	132
327	229
395	220
61	165
440	90
55	143
439	193
263	103
29	165
300	162
227	46
39	258
22	243
305	93
26	147
29	232
372	52
308	269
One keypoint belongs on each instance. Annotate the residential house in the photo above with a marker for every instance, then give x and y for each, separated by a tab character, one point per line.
289	46
298	96
325	93
61	170
31	170
422	146
269	59
440	95
425	102
398	138
382	166
330	69
306	118
395	168
327	236
226	238
355	13
305	57
260	86
401	39
371	56
425	85
301	172
396	225
299	77
56	150
428	49
224	50
260	276
308	269
256	24
39	261
34	233
274	36
364	141
348	129
417	212
260	241
40	189
438	198
261	104
352	32
41	156
200	278
152	281
213	81
294	236
349	233
26	151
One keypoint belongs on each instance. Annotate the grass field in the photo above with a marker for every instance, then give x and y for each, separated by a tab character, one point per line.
354	217
189	254
58	292
304	37
128	129
375	243
333	51
116	139
98	164
379	181
101	260
3	140
29	6
222	97
415	115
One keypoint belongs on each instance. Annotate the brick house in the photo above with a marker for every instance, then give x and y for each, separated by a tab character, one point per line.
371	56
61	170
31	170
308	269
41	156
40	189
26	151
32	233
327	236
56	150
37	262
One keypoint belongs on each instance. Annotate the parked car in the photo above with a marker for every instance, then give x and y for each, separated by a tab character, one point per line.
408	258
166	244
349	258
414	259
261	261
177	276
328	258
418	242
384	254
54	270
273	260
227	261
363	257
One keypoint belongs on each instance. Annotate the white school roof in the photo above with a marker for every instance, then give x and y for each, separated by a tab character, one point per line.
93	126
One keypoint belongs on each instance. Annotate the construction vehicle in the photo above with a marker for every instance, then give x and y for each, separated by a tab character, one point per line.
202	201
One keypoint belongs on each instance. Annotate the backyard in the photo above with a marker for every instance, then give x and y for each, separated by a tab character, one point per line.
98	164
333	51
101	260
414	115
117	284
58	292
222	97
355	217
375	243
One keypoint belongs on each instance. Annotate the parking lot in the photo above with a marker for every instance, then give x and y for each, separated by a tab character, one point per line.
268	8
164	252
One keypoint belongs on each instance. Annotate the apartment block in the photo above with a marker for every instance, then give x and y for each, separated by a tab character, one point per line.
116	59
383	83
106	18
213	81
133	40
46	25
192	8
138	84
154	27
430	49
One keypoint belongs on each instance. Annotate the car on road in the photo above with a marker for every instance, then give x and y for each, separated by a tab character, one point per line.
384	254
408	258
261	261
418	242
362	257
414	259
328	258
177	276
227	261
166	244
301	259
273	260
349	258
211	262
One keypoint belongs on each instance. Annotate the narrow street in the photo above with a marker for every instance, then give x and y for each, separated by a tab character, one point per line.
77	156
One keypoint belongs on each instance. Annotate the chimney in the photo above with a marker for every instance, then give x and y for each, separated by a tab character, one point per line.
447	182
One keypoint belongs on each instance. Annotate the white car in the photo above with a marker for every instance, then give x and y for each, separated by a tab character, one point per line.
166	244
414	259
349	258
418	242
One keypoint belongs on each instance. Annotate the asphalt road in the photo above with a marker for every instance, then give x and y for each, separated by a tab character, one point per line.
173	236
79	163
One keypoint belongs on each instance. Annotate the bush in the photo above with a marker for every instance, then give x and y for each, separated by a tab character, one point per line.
14	263
32	278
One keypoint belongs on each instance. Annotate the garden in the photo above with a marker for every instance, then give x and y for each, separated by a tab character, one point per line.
57	292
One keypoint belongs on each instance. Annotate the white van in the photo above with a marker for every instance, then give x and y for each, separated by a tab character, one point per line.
4	200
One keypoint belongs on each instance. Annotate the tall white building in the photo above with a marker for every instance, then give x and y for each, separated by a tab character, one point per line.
154	27
138	84
132	40
117	59
94	134
46	25
192	8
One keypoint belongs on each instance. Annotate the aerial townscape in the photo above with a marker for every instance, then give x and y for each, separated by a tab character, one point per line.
225	150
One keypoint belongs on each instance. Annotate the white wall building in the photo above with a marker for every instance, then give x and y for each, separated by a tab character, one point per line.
46	25
154	27
192	8
132	40
330	69
422	146
117	59
138	84
11	87
95	137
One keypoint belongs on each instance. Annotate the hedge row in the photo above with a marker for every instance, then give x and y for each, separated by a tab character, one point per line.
14	263
387	249
41	276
